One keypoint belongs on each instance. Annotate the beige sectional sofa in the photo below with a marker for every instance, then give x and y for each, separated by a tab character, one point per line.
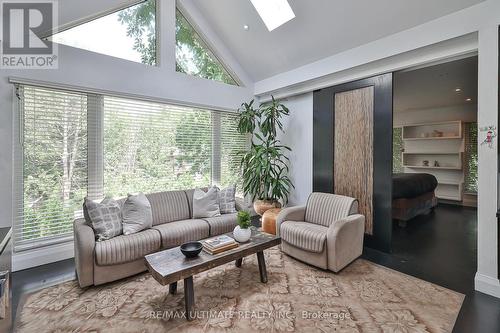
328	232
123	256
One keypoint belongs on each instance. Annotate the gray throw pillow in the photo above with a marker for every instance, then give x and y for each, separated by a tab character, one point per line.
136	214
205	204
103	217
227	200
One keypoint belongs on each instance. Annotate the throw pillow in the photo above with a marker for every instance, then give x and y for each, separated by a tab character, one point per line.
227	200
136	214
205	204
103	217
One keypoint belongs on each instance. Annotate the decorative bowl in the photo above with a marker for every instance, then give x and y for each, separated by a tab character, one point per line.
191	249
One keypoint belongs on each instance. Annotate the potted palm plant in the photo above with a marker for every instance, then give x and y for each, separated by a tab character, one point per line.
265	166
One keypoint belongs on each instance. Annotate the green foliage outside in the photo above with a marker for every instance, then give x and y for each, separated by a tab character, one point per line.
471	158
193	56
397	149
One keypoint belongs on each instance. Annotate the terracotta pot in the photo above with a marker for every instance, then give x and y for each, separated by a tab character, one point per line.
260	206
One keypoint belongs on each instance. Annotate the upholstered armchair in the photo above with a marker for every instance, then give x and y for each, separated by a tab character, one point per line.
328	232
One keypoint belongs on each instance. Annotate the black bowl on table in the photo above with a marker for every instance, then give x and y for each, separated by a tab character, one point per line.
191	249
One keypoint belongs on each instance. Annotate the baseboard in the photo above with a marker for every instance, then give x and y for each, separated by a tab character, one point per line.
41	256
487	285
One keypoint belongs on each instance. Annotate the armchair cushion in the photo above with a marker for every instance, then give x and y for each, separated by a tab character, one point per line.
290	214
326	208
306	236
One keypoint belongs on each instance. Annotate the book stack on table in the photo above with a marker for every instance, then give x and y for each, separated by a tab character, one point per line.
219	244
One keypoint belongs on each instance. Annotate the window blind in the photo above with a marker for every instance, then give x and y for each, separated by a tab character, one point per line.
51	164
73	145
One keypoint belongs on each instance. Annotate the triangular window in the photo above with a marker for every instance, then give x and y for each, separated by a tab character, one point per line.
129	33
194	57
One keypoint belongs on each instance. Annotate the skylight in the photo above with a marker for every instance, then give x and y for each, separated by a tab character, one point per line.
273	12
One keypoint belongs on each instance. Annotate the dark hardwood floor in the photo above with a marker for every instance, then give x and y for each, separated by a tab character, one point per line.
440	248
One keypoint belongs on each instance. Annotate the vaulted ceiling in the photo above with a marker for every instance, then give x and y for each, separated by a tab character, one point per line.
321	28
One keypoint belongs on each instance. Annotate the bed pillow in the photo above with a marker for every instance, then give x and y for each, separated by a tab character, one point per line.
104	217
206	204
227	200
136	214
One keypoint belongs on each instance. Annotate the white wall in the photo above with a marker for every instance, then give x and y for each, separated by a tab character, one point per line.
299	136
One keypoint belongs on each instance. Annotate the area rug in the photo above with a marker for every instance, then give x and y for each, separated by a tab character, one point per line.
364	297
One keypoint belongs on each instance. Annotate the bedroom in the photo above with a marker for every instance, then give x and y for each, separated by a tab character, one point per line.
435	169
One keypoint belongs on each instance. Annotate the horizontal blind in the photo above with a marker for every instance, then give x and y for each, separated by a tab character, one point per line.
51	164
152	147
73	145
233	145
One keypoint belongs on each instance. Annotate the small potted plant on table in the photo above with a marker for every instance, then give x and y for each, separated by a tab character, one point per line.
242	232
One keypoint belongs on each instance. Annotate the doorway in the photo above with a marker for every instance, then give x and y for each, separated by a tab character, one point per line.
435	139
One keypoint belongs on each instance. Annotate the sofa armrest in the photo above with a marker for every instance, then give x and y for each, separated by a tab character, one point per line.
345	241
297	213
84	242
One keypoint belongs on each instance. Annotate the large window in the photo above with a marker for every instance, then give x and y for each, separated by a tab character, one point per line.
194	57
128	34
73	145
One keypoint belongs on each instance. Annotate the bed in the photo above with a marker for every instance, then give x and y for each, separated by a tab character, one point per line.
412	195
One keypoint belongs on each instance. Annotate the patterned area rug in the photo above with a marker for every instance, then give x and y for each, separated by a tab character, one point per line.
364	297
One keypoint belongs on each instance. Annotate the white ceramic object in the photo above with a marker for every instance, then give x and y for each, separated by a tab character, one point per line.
242	235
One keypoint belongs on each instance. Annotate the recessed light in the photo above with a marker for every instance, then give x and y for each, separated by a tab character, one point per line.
273	12
458	89
246	27
468	99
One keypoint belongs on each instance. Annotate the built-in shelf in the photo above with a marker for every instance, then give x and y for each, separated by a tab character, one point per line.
435	138
448	130
441	142
432	167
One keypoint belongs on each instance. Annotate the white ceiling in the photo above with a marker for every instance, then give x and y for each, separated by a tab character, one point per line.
321	28
434	87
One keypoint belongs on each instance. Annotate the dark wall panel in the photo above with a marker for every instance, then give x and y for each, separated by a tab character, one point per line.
323	151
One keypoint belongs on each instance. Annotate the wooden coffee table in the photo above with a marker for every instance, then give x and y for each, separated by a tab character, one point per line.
170	266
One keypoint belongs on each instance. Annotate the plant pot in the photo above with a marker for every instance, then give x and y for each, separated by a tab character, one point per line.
260	206
242	235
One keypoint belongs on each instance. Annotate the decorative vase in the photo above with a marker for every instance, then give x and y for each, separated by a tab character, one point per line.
242	235
260	206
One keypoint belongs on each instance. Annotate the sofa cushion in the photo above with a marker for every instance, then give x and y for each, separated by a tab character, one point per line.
326	208
179	232
222	224
189	194
136	214
306	236
227	200
206	204
122	249
169	206
104	217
